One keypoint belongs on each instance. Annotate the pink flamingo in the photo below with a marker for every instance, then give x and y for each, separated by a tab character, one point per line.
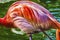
29	17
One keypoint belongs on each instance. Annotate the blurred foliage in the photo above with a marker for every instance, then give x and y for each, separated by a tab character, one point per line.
5	1
51	5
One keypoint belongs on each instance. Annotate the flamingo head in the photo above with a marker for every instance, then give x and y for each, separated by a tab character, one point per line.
3	21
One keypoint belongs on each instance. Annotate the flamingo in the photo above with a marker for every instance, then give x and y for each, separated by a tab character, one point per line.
29	17
58	34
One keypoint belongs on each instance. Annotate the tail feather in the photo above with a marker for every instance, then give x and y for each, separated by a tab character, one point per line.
56	24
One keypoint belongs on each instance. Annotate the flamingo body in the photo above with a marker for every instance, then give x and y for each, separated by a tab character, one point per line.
29	17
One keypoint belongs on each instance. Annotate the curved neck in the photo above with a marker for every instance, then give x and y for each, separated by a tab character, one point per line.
3	21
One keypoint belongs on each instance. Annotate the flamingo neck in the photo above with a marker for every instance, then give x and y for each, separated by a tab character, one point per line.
3	21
